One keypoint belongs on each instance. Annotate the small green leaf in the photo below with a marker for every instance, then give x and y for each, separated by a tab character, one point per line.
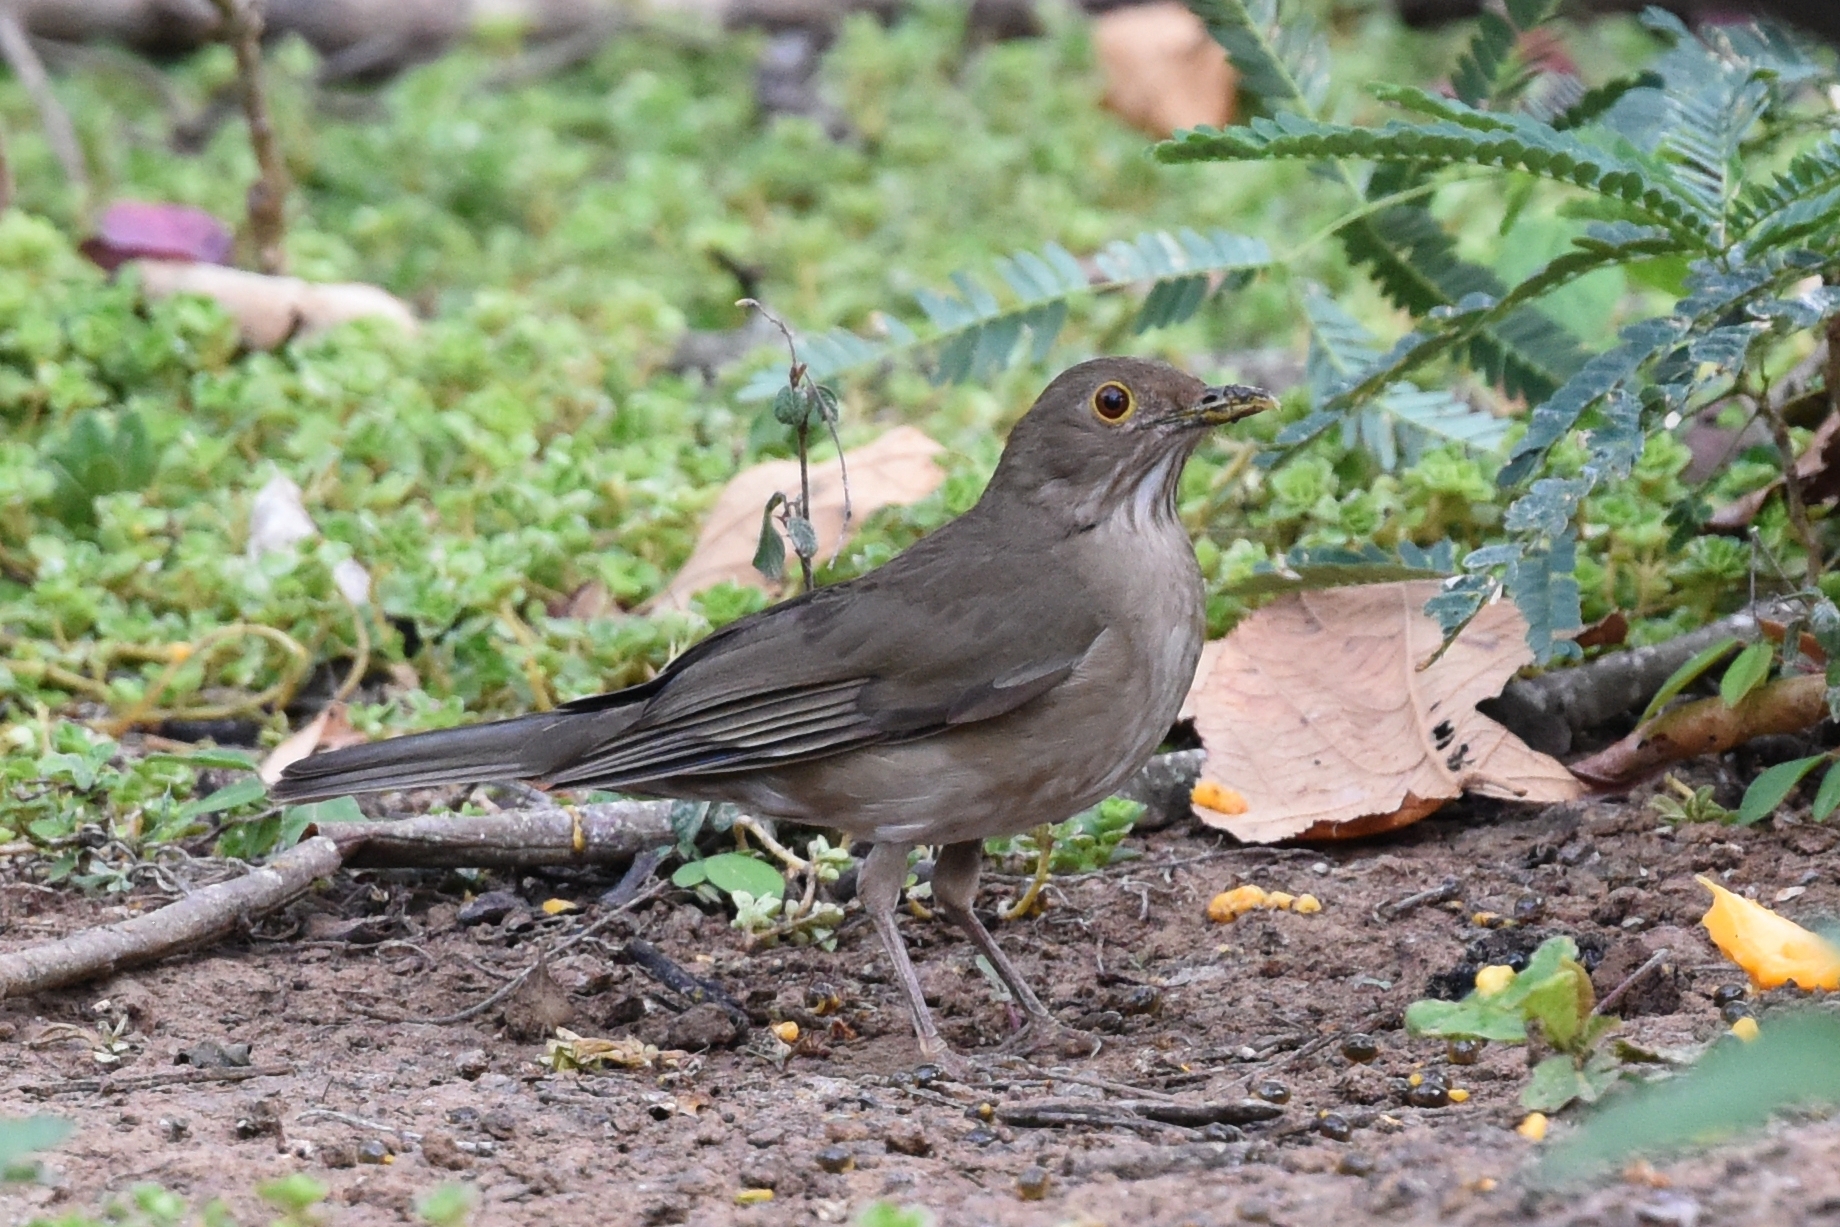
1476	1018
1746	672
1769	789
22	1136
242	792
689	874
1686	675
292	1193
736	871
1555	1082
337	809
225	760
1828	798
789	407
804	536
770	553
446	1205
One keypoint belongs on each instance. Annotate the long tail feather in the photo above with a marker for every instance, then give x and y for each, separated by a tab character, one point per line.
526	747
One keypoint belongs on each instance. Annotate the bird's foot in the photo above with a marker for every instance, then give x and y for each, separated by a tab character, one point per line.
1043	1033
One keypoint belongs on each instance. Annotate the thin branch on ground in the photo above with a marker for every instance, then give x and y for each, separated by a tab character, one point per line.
242	29
17	50
109	1084
1708	726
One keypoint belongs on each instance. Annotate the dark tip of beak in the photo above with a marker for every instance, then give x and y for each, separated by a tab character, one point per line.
1230	403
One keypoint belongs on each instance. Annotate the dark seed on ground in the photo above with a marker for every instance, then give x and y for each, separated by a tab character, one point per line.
981	1136
1466	1052
1272	1091
1431	1092
1734	1010
1032	1183
1334	1126
1725	994
1528	908
927	1075
1140	999
1360	1048
373	1151
835	1159
1354	1163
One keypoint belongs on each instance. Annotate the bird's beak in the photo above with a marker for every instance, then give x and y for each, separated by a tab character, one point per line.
1218	406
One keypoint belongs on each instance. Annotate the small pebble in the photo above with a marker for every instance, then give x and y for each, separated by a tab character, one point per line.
440	1150
1140	999
175	1128
472	1063
1252	1210
1528	908
1032	1183
927	1075
1354	1163
1360	1049
1734	1010
836	1159
1220	1131
1272	1091
1334	1126
907	1138
500	1124
1466	1052
981	1136
373	1151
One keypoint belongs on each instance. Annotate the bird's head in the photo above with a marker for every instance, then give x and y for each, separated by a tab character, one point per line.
1114	433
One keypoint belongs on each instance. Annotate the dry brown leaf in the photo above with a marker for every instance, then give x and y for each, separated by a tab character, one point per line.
1163	71
269	310
896	469
1317	713
329	730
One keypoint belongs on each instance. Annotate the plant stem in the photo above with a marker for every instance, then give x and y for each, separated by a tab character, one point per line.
804	497
1792	488
268	194
16	49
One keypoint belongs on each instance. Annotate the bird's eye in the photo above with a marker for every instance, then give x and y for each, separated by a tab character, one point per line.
1113	403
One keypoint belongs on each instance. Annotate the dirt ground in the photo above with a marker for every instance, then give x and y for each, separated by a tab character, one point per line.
1201	1012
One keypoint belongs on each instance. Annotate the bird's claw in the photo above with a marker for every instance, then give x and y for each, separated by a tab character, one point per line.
1042	1033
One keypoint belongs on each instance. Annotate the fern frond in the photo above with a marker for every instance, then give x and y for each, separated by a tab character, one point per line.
1487	72
1414	261
1456	326
1551	421
1282	58
974	333
1813	174
1512	142
1596	101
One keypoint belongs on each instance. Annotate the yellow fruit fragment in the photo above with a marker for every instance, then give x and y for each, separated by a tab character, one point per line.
1280	900
1230	905
1458	1095
1307	905
1217	797
1494	978
1745	1029
1532	1127
788	1032
556	907
753	1197
1772	949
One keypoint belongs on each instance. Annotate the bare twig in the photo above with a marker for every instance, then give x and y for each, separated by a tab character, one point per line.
109	1084
1793	502
1443	892
242	29
604	833
1786	705
17	50
1629	981
195	920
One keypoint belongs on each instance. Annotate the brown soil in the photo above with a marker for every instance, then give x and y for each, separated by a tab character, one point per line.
1204	1012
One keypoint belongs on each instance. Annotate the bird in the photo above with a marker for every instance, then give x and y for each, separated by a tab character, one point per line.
1014	667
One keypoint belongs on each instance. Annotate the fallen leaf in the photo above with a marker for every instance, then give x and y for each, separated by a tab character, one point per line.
896	469
133	229
330	730
1771	948
1607	632
1163	71
270	310
1817	471
1321	712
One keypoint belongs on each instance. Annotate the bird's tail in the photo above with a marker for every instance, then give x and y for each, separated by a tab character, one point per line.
523	748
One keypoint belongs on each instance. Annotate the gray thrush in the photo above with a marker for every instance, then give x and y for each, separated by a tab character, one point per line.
1013	668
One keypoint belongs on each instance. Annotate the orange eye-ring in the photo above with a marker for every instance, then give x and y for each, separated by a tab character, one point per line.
1113	403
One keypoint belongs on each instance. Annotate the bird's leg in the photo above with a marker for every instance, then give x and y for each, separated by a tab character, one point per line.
955	878
878	885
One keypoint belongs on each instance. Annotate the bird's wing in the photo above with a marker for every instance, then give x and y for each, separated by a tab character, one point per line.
932	640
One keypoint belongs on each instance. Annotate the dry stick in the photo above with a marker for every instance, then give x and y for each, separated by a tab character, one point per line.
589	834
1787	705
199	918
1616	994
268	194
16	48
108	1084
